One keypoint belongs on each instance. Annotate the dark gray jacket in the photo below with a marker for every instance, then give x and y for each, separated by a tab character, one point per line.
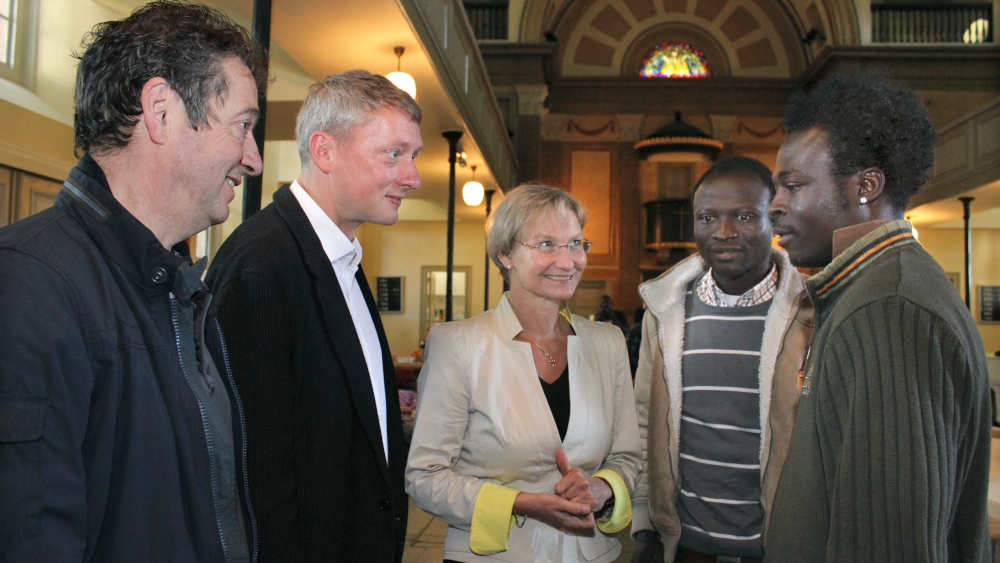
106	454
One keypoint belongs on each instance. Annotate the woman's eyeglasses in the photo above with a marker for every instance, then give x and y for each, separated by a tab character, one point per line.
549	247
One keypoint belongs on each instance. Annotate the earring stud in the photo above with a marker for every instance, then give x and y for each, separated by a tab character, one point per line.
863	201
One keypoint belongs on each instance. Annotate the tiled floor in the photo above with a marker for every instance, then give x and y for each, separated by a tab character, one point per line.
425	539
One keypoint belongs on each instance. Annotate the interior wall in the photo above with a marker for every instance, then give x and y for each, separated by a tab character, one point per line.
281	164
947	247
34	142
402	249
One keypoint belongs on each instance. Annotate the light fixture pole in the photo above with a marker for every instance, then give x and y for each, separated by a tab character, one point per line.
452	137
486	268
261	25
966	201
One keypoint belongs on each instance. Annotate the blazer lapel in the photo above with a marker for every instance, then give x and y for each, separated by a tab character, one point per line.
394	422
340	331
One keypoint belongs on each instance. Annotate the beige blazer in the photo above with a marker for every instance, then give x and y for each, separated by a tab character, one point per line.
482	417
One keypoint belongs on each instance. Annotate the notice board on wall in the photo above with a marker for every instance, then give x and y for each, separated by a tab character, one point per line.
389	294
989	303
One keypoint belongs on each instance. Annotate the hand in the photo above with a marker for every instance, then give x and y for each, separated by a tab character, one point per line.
407	403
555	511
577	486
648	547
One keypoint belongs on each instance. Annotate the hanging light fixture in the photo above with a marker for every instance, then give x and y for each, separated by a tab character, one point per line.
473	191
402	80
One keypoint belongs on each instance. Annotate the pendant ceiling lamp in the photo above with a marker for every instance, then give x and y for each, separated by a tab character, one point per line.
402	80
473	191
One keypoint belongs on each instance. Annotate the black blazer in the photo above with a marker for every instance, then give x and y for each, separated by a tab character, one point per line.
319	482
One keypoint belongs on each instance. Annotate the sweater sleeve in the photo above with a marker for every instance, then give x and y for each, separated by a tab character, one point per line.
902	425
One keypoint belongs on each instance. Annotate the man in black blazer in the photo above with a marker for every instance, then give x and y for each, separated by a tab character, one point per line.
307	346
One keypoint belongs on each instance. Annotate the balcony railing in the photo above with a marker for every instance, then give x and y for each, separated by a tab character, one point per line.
488	18
952	23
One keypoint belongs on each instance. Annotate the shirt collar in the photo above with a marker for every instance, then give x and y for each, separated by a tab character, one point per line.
711	294
341	251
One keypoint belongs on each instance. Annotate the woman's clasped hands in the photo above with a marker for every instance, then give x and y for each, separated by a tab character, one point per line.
571	505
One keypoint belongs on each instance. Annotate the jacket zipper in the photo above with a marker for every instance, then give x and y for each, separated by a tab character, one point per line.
243	433
204	426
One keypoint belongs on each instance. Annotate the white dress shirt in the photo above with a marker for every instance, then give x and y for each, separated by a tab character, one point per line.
345	257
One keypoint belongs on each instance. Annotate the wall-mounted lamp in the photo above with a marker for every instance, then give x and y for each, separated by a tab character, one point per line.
402	80
461	157
473	191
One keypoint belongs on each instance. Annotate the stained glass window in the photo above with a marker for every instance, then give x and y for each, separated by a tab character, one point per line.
674	59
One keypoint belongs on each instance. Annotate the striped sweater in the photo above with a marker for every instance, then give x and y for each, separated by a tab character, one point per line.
890	455
719	502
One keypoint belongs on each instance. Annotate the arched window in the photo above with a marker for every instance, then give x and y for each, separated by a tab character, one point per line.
674	59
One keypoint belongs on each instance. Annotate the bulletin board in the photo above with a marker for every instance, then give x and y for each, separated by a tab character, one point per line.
389	294
989	303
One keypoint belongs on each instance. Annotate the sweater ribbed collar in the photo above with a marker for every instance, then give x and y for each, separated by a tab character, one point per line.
829	283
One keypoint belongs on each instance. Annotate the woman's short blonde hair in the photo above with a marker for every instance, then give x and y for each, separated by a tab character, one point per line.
519	206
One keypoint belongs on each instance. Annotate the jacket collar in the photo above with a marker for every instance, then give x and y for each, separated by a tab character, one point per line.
120	236
510	326
830	282
666	292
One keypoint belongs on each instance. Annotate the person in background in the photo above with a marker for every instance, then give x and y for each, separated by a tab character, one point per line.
890	458
121	433
634	339
309	351
716	387
606	313
526	441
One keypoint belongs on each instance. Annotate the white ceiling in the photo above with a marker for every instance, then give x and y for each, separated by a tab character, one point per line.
947	213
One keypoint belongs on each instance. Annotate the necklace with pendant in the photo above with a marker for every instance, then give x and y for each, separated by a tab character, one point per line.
548	357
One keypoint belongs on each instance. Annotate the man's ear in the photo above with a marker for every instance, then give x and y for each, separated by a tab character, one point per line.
155	98
322	150
871	184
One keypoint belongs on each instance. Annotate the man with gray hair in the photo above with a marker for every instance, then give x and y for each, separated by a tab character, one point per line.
308	349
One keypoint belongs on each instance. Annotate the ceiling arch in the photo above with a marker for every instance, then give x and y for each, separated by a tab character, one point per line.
599	35
759	38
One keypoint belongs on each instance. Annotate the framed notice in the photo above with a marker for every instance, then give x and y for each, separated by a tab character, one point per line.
989	303
389	294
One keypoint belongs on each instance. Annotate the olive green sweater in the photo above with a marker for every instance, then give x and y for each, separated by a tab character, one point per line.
890	456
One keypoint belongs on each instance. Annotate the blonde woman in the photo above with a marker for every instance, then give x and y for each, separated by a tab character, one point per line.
526	441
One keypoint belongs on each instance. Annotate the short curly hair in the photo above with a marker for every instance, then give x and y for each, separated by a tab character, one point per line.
183	43
870	123
738	166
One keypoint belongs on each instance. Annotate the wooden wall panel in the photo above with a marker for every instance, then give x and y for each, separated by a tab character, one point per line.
6	179
590	183
33	194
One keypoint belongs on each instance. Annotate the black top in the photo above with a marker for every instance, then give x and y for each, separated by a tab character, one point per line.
557	394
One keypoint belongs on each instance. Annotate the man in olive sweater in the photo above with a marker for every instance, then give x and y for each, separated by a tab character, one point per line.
890	455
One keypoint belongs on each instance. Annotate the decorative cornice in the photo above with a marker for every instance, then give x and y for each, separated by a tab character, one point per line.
676	141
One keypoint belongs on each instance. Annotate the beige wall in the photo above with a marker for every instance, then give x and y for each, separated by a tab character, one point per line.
947	247
402	249
33	142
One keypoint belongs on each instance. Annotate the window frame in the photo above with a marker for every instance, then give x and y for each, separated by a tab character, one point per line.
21	68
